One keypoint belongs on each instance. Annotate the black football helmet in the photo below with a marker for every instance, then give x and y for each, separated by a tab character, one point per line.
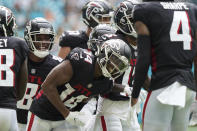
7	22
96	12
34	30
123	17
96	34
114	58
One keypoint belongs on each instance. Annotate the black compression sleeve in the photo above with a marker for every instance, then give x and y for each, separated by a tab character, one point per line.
143	62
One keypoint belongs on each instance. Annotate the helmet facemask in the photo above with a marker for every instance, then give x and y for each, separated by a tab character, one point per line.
40	44
96	12
123	19
8	22
103	18
111	63
39	35
127	26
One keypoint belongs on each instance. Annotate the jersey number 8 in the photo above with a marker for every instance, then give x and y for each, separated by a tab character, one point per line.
7	76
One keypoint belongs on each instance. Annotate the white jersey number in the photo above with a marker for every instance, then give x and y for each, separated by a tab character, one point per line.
181	20
30	92
72	102
6	62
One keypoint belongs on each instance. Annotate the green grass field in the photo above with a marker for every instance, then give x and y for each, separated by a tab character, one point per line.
192	128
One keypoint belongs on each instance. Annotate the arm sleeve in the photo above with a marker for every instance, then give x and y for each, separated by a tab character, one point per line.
139	14
74	58
23	49
104	86
143	62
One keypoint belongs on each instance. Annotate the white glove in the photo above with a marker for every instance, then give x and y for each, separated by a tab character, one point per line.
128	90
77	118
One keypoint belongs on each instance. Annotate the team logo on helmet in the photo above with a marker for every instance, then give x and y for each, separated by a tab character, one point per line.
114	43
93	7
8	14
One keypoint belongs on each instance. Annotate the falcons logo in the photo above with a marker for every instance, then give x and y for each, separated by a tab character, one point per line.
93	7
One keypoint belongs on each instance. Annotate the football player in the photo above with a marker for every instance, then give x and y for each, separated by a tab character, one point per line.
13	52
39	35
166	42
113	111
79	77
93	13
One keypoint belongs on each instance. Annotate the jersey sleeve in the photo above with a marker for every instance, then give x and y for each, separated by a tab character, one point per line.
104	85
77	58
22	49
70	39
139	14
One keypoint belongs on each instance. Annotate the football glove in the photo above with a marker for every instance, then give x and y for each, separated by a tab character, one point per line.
128	90
77	118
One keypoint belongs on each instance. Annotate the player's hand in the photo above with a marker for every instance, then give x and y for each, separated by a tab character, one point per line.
77	118
128	90
133	101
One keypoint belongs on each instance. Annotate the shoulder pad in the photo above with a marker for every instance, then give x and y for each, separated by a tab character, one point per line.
82	56
57	58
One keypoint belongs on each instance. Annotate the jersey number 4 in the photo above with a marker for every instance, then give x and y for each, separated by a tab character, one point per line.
181	21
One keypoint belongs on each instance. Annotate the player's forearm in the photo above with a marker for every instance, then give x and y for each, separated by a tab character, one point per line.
53	96
142	65
64	51
195	70
146	83
118	87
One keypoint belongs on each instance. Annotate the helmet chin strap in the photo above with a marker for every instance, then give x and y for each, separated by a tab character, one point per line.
41	54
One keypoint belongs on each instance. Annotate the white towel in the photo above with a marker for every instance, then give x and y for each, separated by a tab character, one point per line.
175	94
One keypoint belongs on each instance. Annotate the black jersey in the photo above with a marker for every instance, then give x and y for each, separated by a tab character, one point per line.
81	86
127	77
37	72
13	52
74	39
172	30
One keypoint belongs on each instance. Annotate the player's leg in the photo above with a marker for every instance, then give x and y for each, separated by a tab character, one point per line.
109	115
90	107
132	125
36	124
66	126
180	118
21	127
8	120
108	123
156	116
193	120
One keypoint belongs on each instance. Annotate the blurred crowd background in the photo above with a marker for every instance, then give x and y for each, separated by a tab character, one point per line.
63	14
